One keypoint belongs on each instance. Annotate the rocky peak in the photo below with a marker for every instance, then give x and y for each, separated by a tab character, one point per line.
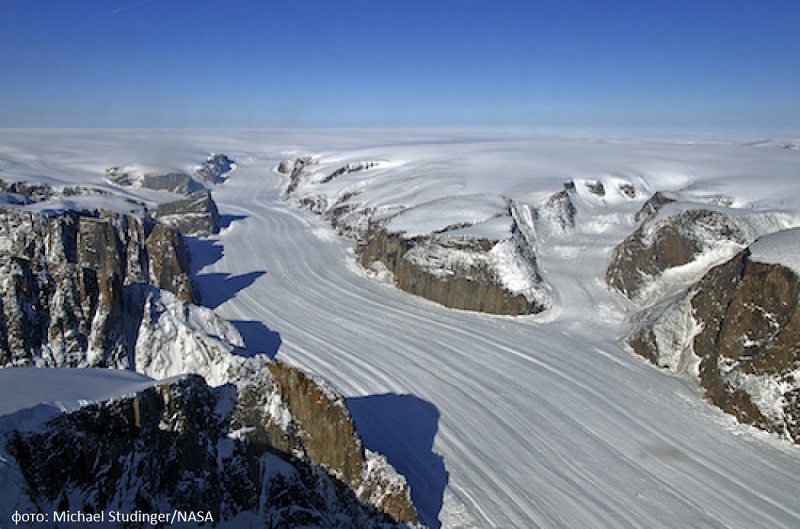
559	210
654	204
215	170
293	168
738	327
676	242
175	445
69	296
196	214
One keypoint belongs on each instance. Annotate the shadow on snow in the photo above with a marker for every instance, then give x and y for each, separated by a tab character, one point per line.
258	338
217	288
225	221
403	428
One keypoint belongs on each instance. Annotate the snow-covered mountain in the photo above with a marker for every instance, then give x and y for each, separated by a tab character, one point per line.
220	430
545	419
480	252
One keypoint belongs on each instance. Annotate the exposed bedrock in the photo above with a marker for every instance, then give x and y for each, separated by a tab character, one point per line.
682	240
210	172
196	214
738	331
182	445
331	441
68	296
486	261
429	266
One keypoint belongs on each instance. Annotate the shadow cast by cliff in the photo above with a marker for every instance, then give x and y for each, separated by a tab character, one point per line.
258	338
202	252
225	221
403	428
217	288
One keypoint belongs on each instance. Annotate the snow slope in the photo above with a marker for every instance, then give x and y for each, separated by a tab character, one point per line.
66	389
497	422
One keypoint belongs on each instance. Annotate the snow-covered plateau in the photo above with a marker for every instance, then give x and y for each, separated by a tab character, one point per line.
543	419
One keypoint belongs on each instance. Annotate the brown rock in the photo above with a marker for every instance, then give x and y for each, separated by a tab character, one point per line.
468	289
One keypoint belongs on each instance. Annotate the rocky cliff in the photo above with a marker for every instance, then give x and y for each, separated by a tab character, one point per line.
476	253
736	331
197	214
73	284
110	290
180	445
676	242
458	272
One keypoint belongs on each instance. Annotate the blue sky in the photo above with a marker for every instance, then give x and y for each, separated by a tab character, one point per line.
684	65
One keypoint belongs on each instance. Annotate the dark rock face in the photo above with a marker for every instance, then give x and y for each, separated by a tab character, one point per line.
749	342
733	327
468	288
668	242
172	446
169	262
196	214
457	270
331	441
69	299
215	170
742	329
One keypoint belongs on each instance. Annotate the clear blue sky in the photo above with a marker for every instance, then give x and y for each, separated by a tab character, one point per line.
693	65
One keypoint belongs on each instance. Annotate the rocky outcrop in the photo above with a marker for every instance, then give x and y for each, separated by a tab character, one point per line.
715	314
180	445
110	290
293	168
25	193
493	269
196	214
736	331
330	440
168	262
654	204
73	284
559	210
213	171
684	237
352	167
172	182
458	272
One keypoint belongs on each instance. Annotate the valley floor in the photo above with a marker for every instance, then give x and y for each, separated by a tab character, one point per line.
496	422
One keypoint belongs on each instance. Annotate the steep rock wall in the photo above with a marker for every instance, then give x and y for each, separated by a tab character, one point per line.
741	329
172	446
70	296
466	287
685	236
